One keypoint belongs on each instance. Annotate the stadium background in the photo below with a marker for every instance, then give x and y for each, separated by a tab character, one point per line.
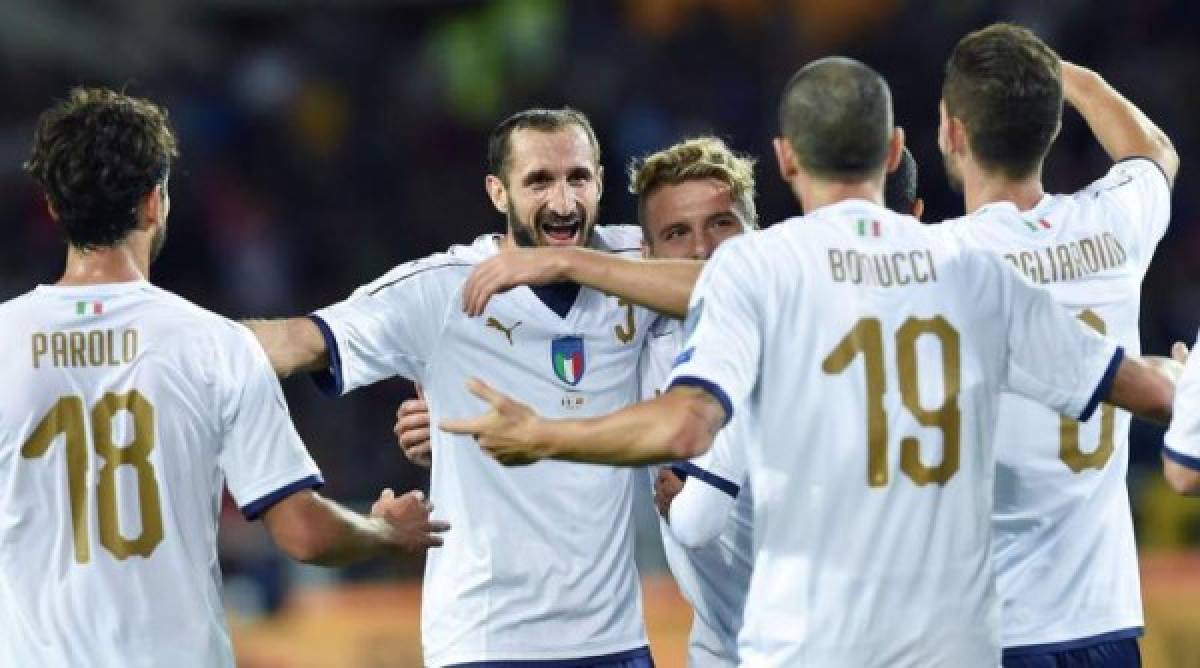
324	142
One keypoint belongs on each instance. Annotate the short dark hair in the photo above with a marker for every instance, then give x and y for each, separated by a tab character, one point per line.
545	120
1005	85
837	115
900	187
95	155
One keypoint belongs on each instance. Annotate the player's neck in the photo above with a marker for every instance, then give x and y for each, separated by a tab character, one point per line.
981	188
112	264
815	194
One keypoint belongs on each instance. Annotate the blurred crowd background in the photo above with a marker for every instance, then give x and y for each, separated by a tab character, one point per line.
323	142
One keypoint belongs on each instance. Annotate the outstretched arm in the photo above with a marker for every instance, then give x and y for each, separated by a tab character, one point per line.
659	285
1144	389
1120	127
313	529
292	344
678	424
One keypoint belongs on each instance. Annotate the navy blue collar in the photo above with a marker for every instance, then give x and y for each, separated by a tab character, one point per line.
558	297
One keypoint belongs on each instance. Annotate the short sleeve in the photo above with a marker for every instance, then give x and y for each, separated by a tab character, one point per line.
386	328
723	331
1053	358
262	456
1139	190
1182	442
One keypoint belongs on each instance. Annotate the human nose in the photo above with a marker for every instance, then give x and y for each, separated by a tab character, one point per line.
562	199
705	243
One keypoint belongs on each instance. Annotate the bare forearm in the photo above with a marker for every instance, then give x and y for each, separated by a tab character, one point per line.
660	285
292	344
1143	390
1120	127
678	425
324	533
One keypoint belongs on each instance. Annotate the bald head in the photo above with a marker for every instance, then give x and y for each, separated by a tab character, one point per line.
836	113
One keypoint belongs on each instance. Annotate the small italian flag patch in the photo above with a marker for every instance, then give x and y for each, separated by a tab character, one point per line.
89	308
868	227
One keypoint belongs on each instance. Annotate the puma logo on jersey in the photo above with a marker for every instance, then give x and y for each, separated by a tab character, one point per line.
497	325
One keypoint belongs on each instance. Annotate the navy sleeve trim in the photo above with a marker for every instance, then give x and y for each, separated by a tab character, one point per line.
329	380
688	469
1105	386
710	387
256	508
1153	162
1069	645
1183	460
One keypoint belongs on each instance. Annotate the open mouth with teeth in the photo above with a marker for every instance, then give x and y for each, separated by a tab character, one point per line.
561	232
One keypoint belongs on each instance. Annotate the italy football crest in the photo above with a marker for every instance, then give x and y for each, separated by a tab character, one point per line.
566	353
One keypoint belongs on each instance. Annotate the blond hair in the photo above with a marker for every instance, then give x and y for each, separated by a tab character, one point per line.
693	159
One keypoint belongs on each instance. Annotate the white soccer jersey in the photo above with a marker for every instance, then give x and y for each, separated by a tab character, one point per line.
1182	442
714	577
540	562
870	353
127	409
1066	561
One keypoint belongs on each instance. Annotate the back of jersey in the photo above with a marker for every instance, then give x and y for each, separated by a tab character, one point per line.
871	355
121	401
1064	547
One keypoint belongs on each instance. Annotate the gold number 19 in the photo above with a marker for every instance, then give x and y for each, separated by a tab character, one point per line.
867	338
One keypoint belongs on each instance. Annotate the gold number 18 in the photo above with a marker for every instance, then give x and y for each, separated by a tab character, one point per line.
67	417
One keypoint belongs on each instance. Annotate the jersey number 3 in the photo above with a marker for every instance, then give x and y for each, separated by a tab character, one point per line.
867	338
67	417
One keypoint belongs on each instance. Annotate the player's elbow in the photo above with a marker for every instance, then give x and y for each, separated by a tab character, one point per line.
1165	155
691	422
305	548
305	543
689	436
299	525
1183	480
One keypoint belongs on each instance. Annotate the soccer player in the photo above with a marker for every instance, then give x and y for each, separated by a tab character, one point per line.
691	197
129	409
540	565
1066	561
707	501
868	352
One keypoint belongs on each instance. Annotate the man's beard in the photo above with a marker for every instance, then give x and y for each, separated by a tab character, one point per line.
953	175
525	235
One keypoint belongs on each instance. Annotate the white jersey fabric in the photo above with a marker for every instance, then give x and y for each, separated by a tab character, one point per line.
712	564
540	562
127	410
1182	442
1066	561
870	353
